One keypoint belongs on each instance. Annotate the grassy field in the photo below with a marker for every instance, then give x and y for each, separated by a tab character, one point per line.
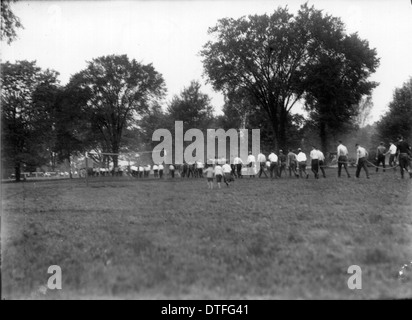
259	239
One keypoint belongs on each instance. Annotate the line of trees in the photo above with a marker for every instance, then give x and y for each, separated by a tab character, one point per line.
263	64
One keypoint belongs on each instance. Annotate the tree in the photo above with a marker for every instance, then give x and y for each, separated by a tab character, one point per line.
192	107
9	22
118	91
397	121
27	96
336	78
265	56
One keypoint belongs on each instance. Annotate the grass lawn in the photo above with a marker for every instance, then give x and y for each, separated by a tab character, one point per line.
259	239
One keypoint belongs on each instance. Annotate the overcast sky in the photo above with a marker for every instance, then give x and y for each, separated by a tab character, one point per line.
63	35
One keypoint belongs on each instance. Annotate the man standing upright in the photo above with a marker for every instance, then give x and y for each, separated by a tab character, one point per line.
282	163
261	158
251	161
322	163
403	152
314	155
238	164
361	160
392	155
380	156
342	156
292	163
302	159
273	158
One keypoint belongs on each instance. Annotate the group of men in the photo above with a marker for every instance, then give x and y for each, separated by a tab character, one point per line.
143	171
400	153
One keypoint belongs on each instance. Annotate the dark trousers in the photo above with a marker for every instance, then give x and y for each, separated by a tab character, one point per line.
343	161
321	164
392	162
239	170
315	168
160	174
302	169
362	164
172	173
293	168
381	159
273	170
282	167
200	173
262	169
403	163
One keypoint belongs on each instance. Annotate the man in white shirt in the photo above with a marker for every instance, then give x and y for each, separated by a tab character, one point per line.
161	169
392	155
155	170
200	166
322	163
273	158
302	159
361	160
251	161
218	174
342	156
314	155
238	164
141	171
261	158
147	170
227	172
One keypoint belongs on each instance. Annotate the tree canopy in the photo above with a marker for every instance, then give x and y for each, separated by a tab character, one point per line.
28	95
397	121
9	22
273	57
117	92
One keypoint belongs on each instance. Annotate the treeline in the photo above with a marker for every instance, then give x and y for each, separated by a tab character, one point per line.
263	64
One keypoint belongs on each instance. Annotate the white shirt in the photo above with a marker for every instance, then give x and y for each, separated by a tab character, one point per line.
226	168
273	157
251	158
237	160
268	164
148	167
362	153
161	167
200	165
261	157
314	154
218	170
171	167
393	149
342	150
155	167
301	157
221	161
141	169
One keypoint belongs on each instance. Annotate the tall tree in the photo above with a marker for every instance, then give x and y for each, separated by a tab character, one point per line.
192	107
397	121
9	22
336	79
263	55
27	97
118	91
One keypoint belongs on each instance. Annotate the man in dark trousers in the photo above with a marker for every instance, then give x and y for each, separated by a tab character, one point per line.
282	162
380	156
403	153
361	160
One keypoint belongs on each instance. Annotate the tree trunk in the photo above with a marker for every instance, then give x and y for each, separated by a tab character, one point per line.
282	131
17	172
70	166
323	137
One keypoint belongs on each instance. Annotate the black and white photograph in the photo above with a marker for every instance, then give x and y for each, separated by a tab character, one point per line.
225	150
